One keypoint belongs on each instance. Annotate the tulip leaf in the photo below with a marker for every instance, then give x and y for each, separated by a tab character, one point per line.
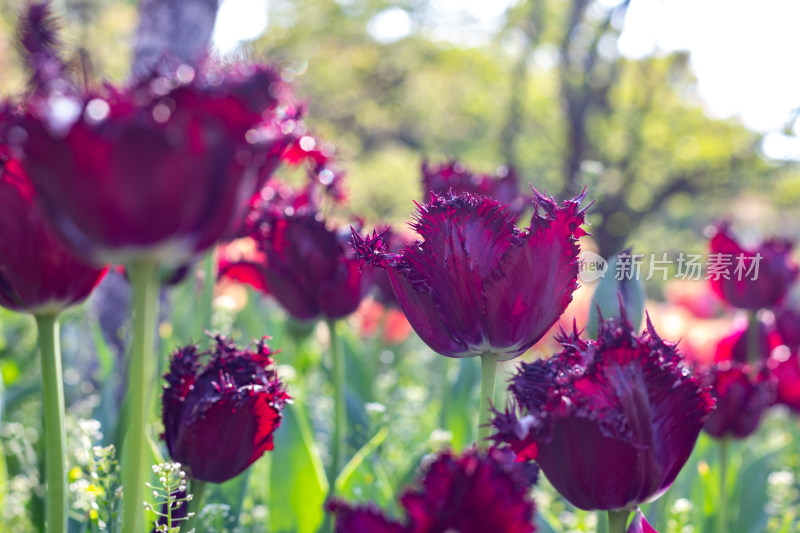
104	355
298	486
231	493
360	377
750	495
346	481
611	290
3	467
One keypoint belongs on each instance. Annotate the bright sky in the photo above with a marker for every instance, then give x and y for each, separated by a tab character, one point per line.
744	52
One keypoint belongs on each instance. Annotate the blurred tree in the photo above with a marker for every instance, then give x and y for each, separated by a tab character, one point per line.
173	30
634	125
545	91
549	94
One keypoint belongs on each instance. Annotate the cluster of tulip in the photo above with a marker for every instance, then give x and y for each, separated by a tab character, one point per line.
154	174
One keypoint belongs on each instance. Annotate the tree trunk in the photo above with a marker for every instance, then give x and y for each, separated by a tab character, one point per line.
172	31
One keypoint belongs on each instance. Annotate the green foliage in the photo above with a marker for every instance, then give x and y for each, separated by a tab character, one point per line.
170	496
297	483
96	489
658	167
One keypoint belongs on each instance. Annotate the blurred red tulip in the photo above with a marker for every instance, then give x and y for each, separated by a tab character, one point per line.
38	274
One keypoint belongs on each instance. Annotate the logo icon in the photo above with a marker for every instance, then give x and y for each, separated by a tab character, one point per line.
591	267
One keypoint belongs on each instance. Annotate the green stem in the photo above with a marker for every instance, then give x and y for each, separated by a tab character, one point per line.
197	489
488	373
447	390
618	521
339	407
54	429
209	280
753	341
141	381
722	504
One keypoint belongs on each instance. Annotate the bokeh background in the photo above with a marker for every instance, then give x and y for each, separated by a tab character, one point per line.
674	114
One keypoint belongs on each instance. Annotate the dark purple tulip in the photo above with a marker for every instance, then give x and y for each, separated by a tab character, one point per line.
776	341
610	422
219	417
750	278
734	346
476	492
785	366
162	169
784	362
362	518
787	324
381	284
308	267
456	177
476	283
743	394
38	274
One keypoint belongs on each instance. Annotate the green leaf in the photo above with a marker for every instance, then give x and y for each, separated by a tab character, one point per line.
347	481
298	486
104	355
3	477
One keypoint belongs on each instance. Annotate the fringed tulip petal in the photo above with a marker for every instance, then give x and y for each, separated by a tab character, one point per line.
305	265
611	422
475	283
743	394
219	418
476	492
163	169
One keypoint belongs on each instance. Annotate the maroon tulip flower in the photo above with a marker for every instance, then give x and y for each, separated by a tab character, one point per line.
477	492
734	347
743	394
777	350
610	422
477	284
38	274
784	364
163	169
305	265
381	284
784	358
455	177
219	417
787	324
750	278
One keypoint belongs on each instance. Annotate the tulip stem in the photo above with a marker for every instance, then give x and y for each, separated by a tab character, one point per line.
209	280
54	429
197	489
339	406
722	507
488	374
618	521
753	341
141	379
